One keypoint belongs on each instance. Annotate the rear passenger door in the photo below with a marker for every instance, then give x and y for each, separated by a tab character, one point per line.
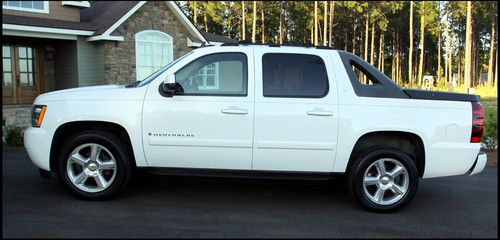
296	112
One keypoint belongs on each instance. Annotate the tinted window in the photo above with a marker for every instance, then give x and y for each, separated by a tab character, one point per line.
294	75
214	74
362	75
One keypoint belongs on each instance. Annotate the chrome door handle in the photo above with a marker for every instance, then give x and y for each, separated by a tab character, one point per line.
234	110
319	112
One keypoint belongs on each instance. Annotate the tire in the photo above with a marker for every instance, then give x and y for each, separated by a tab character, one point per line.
383	192
99	177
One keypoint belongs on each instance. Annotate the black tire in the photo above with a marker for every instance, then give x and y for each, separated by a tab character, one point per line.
124	166
363	160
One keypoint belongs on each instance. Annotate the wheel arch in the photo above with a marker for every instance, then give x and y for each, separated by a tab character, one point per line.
410	143
66	130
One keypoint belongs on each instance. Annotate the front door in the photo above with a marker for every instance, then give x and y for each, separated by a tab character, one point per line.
21	81
208	123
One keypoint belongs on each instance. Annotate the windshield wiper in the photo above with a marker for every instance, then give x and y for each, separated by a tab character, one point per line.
134	84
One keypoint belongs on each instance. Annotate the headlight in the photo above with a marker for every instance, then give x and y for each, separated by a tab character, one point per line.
37	114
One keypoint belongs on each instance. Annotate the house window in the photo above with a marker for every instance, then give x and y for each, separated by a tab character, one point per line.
154	49
29	6
209	77
218	74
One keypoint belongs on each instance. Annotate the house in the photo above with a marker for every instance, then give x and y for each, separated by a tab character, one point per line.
52	45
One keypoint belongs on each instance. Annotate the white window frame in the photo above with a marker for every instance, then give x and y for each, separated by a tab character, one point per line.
45	8
154	60
204	75
85	4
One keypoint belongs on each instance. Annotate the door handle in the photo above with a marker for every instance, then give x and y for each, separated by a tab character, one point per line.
234	110
319	112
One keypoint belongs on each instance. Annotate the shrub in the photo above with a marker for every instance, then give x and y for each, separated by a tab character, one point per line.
490	137
14	136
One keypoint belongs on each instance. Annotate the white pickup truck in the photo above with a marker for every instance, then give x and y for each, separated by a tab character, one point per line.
259	111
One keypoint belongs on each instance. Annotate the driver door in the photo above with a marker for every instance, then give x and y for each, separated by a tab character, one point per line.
208	123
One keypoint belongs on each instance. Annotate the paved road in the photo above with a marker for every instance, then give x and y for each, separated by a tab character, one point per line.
155	206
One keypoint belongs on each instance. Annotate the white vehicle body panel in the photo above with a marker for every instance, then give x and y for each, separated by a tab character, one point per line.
220	140
275	134
286	137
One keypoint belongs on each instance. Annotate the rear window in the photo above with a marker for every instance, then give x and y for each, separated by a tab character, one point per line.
294	75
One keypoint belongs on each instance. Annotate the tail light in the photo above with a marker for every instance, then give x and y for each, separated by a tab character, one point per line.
477	122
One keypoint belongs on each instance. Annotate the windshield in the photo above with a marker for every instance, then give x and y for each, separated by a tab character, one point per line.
151	77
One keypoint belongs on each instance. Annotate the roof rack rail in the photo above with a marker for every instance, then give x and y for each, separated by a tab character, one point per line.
306	45
230	44
245	42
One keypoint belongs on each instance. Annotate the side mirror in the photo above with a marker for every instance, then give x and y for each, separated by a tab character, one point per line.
168	86
169	79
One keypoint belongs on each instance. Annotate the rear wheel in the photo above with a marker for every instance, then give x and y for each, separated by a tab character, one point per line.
94	165
383	179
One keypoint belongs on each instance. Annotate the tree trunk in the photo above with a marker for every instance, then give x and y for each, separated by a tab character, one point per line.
312	33
366	37
354	39
492	55
243	20
315	23
447	53
468	49
410	58
398	59
393	57
281	22
382	55
379	58
229	28
361	43
372	49
473	59
345	41
263	33
366	44
195	13
496	69
205	20
422	45
439	53
415	68
459	67
399	62
325	31
320	33
254	23
450	56
332	11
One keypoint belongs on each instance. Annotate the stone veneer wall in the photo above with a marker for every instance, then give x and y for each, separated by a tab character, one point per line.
16	115
119	57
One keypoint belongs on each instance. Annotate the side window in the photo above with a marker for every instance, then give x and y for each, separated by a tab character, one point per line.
214	74
363	76
294	75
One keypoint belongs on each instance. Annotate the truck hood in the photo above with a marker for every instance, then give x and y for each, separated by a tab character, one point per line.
96	93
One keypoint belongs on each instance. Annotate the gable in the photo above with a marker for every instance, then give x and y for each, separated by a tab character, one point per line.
109	15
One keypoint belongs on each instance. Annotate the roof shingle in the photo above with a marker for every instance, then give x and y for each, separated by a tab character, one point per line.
99	17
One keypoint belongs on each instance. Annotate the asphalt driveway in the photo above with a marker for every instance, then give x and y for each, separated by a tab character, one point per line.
159	206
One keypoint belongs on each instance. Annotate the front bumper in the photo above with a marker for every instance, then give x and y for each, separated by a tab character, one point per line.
37	144
478	164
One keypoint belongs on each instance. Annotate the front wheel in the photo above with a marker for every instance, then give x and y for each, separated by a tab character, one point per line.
94	165
383	179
